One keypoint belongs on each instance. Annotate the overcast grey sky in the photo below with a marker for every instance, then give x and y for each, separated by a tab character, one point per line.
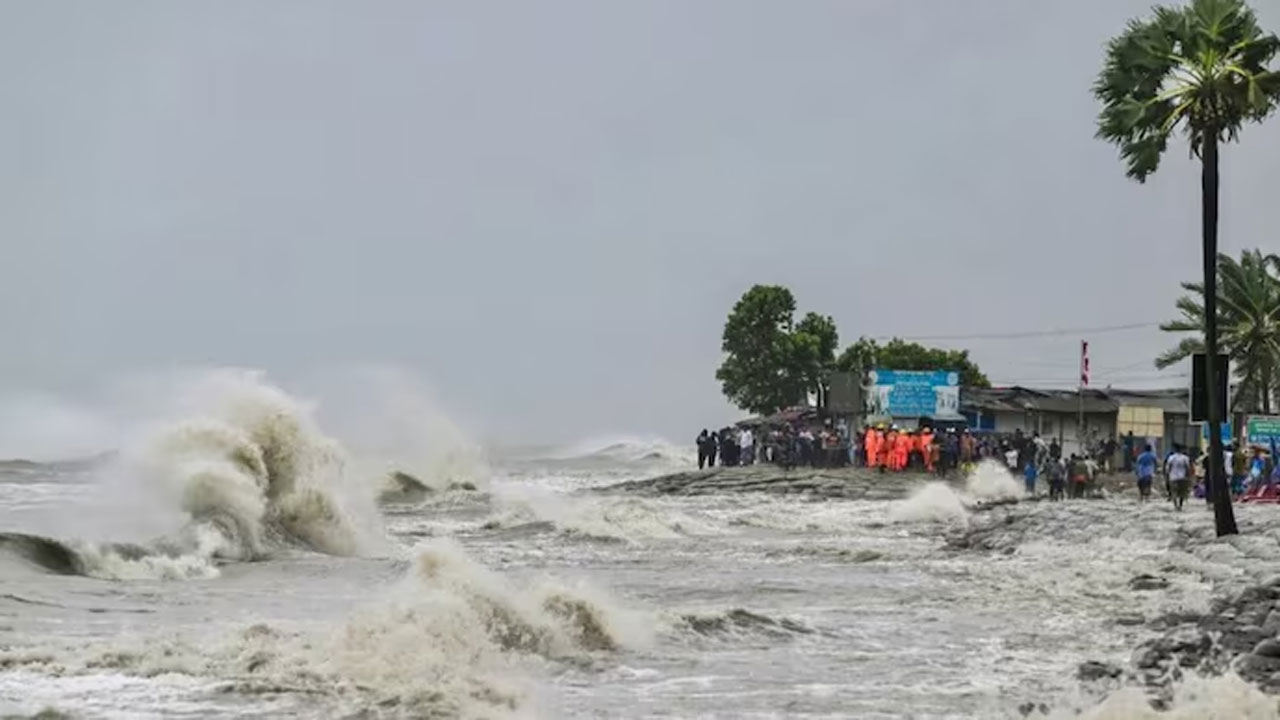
546	208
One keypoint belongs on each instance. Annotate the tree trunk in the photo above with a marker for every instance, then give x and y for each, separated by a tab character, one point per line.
1223	517
1266	388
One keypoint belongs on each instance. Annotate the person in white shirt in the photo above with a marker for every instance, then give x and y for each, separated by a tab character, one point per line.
747	444
1178	468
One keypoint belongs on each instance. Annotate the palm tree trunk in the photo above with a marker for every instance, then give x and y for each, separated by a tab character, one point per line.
1223	517
1266	387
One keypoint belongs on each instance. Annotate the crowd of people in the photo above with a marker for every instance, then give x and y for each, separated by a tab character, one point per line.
786	445
1253	470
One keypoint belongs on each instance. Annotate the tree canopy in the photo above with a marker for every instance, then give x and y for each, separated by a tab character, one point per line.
770	361
1201	68
867	354
1249	319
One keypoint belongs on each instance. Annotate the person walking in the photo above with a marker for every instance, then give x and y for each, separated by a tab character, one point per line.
1178	468
1056	474
1145	469
1029	475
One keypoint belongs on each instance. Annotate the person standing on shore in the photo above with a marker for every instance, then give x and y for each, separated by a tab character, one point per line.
746	447
704	440
1178	469
713	447
1146	471
1029	475
1056	473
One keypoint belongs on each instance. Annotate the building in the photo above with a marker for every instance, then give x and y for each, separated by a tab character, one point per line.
1159	416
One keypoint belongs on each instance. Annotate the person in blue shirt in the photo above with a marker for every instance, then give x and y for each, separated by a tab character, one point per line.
1145	467
1030	473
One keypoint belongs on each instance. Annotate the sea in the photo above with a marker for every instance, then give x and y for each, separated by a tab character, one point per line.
244	562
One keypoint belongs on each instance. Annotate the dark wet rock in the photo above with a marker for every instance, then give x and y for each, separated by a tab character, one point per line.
847	483
1027	708
740	620
1091	671
1148	582
1268	648
1271	623
404	488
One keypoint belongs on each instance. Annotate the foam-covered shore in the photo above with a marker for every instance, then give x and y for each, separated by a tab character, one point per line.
1234	634
846	483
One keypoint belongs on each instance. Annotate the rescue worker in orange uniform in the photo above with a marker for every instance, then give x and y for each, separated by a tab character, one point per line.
926	448
901	450
871	446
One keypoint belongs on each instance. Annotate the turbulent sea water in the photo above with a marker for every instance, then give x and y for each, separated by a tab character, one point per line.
235	564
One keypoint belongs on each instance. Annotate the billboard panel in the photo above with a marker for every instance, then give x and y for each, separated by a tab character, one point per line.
1263	430
914	393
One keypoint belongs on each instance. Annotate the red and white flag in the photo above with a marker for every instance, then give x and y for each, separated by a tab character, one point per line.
1084	363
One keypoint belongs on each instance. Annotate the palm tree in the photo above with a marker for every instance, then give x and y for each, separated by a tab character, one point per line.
1203	68
1248	324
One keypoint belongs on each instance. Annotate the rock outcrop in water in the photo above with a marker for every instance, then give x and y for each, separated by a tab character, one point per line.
1240	633
848	483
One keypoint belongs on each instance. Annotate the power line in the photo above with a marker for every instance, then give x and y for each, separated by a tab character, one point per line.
1024	333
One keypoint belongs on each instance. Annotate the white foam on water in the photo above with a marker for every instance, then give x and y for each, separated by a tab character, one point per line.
933	502
940	502
391	421
991	480
1195	698
449	638
618	517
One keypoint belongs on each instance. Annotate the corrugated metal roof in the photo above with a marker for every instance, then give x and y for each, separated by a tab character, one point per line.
1020	399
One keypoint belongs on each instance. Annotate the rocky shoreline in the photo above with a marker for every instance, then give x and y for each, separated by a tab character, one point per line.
1238	633
843	483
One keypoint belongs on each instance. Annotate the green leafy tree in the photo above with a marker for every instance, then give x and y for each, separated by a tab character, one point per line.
770	361
1202	69
897	354
815	341
1248	322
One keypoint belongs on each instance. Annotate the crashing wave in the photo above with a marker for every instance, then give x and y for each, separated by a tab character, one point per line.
449	639
626	450
250	476
990	483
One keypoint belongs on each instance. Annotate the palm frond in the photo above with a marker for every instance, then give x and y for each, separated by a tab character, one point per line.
1203	68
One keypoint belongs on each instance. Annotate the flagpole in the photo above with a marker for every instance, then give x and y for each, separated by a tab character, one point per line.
1084	378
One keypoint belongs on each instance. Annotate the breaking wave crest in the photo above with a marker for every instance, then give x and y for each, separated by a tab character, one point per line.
941	502
249	474
449	639
627	450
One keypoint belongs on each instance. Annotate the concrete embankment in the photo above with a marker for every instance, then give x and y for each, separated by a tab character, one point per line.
847	483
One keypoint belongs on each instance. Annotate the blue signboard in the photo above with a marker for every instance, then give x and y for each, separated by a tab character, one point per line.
1223	428
914	393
